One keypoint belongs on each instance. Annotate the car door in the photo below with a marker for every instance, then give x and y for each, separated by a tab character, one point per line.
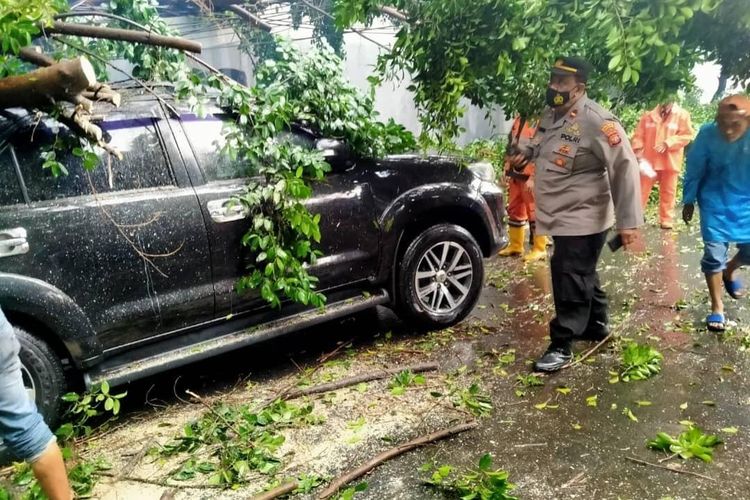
126	241
349	233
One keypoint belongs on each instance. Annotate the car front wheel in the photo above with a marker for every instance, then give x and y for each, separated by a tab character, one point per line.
440	276
42	375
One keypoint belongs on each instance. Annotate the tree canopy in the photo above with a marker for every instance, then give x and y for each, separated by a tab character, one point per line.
498	52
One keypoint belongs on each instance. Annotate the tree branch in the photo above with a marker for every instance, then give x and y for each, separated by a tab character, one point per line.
36	57
393	452
146	38
393	12
251	18
357	379
284	489
321	11
136	80
127	21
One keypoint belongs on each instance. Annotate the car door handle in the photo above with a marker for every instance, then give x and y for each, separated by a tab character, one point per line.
224	211
13	242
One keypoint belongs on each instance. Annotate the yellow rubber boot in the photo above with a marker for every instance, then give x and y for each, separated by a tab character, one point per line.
538	250
515	247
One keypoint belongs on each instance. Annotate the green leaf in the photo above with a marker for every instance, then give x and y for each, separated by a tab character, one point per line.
485	462
614	62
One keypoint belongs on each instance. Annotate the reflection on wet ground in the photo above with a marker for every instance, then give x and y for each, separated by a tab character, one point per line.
576	450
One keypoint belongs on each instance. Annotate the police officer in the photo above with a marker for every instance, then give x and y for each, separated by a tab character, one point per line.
587	177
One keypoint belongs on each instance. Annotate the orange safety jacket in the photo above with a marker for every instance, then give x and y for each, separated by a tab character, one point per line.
521	140
676	130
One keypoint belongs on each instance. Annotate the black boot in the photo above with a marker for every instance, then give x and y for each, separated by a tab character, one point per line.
555	358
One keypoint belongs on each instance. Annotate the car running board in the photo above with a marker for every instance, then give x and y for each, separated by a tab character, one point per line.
117	374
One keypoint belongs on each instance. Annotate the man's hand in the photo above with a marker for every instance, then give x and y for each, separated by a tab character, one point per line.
518	161
687	212
660	148
630	238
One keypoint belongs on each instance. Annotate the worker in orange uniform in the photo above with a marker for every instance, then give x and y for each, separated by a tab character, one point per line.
521	208
659	142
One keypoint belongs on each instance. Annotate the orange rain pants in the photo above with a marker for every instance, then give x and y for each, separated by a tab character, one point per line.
521	206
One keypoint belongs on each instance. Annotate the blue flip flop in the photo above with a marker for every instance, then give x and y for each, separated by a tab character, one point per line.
715	318
733	287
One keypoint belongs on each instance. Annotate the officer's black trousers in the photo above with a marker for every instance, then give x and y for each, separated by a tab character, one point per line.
580	303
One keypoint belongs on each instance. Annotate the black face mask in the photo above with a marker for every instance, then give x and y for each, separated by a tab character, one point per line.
556	98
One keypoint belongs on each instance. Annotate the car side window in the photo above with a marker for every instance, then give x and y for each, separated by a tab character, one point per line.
206	138
144	163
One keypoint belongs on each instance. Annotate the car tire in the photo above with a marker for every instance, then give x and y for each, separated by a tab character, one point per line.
440	277
43	374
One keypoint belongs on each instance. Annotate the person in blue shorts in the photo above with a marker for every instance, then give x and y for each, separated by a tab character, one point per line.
22	428
718	179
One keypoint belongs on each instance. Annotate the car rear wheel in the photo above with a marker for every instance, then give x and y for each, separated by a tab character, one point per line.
42	375
440	276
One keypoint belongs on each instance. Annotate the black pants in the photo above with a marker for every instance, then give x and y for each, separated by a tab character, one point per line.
580	303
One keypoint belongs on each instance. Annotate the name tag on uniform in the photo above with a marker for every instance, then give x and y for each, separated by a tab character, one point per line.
571	133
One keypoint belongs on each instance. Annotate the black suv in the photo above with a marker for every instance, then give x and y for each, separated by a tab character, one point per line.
131	269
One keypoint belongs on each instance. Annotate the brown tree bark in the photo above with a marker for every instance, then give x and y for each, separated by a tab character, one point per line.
63	81
393	452
144	37
97	92
393	12
251	18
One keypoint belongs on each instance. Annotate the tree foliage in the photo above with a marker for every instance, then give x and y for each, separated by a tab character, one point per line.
724	37
310	89
499	52
19	22
307	89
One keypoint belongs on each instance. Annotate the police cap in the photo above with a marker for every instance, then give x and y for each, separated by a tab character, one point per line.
572	66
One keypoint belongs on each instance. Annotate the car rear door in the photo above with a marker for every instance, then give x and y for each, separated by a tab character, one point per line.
126	241
349	231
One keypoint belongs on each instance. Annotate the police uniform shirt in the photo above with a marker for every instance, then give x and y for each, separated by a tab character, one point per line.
586	173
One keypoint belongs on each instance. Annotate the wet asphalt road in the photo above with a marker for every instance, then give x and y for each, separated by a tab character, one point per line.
568	449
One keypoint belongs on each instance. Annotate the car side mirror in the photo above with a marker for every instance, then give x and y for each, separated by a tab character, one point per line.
337	153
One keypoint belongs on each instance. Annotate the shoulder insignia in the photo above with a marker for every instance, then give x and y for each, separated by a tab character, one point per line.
610	130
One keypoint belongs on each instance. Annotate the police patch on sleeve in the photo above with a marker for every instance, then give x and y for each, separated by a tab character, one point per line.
610	130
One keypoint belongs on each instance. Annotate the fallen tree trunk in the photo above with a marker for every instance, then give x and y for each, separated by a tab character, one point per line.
97	92
144	37
62	81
